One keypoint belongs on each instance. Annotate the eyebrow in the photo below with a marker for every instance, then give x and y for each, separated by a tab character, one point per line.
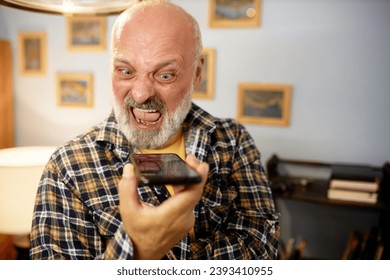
167	63
160	65
121	60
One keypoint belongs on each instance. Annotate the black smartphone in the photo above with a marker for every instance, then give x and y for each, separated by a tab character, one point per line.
162	169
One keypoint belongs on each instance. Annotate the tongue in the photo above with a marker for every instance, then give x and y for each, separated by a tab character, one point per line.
145	116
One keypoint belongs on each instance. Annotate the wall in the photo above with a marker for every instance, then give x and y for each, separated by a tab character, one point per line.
335	54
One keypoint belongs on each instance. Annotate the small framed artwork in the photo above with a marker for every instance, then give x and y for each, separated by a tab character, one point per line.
32	53
233	13
264	104
86	33
206	87
74	90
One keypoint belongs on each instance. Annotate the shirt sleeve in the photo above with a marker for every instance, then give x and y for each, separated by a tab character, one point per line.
63	227
237	210
120	247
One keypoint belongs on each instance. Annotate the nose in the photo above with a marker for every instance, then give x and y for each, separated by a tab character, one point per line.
142	89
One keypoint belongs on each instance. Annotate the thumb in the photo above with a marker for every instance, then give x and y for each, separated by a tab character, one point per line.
127	189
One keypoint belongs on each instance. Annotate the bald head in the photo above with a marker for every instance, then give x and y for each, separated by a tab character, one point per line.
161	16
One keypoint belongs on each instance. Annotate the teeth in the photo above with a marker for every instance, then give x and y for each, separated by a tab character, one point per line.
146	116
146	110
145	123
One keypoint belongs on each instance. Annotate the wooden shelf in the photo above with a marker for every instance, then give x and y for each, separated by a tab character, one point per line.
305	181
300	181
314	191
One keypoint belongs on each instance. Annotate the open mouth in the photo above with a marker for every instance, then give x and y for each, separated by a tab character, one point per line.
146	117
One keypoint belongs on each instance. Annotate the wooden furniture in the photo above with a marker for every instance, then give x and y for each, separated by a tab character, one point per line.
304	181
7	248
6	97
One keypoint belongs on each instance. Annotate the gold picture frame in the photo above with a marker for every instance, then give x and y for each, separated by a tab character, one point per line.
232	13
74	90
32	53
264	104
86	33
206	87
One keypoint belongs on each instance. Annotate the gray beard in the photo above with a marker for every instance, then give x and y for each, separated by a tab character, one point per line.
156	138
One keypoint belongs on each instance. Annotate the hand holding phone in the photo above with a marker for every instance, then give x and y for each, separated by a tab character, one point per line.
162	169
175	216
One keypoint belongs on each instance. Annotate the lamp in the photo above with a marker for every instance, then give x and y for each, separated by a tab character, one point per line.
80	7
20	172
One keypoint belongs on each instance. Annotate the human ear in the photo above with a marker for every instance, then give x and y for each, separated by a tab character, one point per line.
198	72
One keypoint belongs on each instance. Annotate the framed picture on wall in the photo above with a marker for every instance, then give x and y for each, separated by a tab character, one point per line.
74	90
206	87
233	13
86	33
264	104
32	53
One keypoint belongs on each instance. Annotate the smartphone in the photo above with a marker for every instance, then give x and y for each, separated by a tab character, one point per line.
163	169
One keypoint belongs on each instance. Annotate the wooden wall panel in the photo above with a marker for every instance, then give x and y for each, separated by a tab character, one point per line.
6	96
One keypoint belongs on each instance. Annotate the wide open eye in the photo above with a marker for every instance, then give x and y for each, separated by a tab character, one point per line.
166	77
124	72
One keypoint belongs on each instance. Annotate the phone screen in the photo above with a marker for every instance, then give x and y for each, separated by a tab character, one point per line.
159	169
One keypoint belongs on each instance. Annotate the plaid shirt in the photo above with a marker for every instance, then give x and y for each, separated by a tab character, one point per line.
76	211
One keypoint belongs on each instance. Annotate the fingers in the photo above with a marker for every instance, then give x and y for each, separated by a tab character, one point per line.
192	161
195	163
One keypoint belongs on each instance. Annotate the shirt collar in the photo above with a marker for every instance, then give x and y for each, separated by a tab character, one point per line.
110	137
200	119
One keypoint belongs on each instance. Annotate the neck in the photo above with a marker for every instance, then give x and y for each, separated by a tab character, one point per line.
171	140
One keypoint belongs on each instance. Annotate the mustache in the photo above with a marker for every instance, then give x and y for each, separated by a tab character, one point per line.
151	104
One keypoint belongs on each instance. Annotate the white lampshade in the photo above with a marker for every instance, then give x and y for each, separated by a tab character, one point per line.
20	171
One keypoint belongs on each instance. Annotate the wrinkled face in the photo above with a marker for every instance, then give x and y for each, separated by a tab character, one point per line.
153	77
